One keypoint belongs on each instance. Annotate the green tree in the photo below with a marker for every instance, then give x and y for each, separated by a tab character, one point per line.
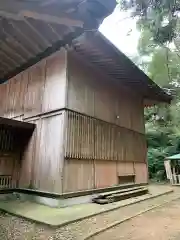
162	122
161	17
159	56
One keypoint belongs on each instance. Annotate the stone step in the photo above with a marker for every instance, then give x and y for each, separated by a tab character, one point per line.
120	195
106	194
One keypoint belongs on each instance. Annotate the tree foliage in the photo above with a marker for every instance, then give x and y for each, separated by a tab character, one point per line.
162	122
159	56
160	16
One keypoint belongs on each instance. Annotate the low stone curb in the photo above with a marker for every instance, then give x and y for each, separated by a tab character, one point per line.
126	219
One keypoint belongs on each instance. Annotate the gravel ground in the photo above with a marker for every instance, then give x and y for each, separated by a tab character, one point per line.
159	224
15	228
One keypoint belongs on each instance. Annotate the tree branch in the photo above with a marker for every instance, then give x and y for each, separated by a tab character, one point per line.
177	48
167	63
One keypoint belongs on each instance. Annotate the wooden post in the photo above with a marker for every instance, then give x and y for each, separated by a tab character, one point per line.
174	176
167	165
178	176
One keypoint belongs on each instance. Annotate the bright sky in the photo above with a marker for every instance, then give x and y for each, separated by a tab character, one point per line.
116	28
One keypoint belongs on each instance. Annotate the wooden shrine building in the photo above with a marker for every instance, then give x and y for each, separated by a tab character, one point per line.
73	120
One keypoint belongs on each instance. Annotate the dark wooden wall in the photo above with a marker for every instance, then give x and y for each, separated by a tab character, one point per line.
105	134
96	95
37	95
42	162
89	147
37	90
9	155
90	138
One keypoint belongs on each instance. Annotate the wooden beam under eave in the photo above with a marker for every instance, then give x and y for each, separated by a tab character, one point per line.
67	21
54	31
55	47
6	66
2	70
52	19
5	46
29	54
33	45
44	40
12	61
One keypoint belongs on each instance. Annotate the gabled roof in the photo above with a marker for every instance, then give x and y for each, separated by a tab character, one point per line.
30	30
98	50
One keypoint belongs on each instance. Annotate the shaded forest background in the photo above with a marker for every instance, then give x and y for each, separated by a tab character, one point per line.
159	57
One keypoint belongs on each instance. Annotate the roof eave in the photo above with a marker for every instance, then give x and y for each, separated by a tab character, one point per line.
100	51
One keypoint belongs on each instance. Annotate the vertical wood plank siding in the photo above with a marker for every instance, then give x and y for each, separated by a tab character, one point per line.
49	154
105	134
7	143
97	152
125	168
43	159
9	157
78	175
89	138
141	172
105	173
9	166
94	94
84	147
27	171
38	91
33	95
55	82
